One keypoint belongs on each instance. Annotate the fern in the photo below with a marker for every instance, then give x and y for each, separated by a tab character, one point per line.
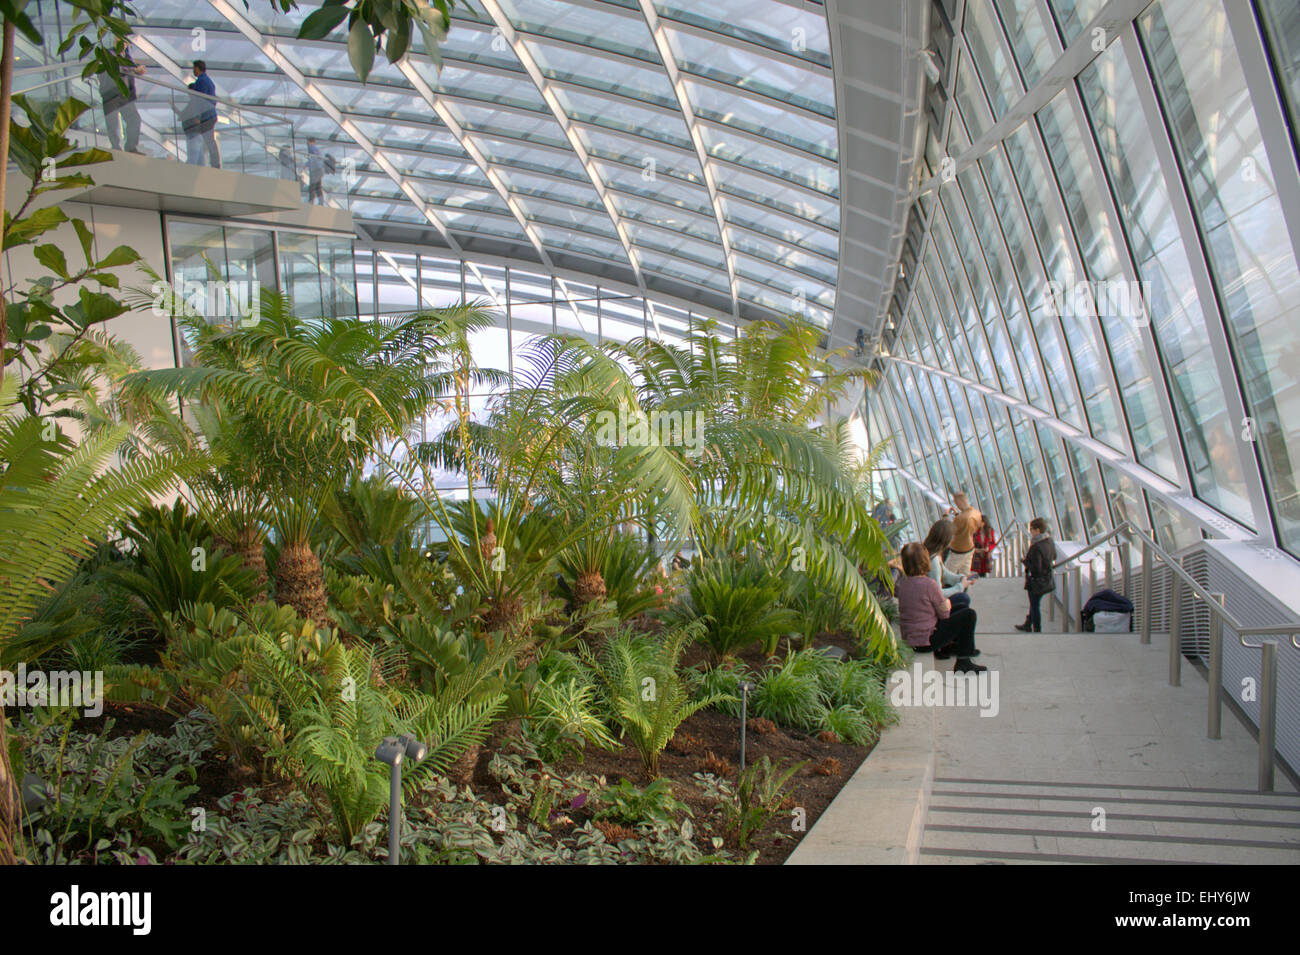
644	691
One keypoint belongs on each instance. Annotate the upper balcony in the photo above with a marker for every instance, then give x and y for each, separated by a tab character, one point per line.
171	155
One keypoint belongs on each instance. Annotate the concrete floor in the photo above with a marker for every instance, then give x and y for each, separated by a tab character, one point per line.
1087	727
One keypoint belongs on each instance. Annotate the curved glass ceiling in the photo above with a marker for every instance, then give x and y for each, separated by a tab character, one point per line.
688	153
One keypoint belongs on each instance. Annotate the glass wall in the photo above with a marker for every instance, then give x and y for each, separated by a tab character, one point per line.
1107	301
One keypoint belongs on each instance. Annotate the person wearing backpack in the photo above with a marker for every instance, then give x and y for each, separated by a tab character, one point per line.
1039	580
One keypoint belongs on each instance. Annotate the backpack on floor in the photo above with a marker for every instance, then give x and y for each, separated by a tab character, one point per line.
1108	612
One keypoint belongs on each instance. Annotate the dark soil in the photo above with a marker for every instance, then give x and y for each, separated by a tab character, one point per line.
710	731
128	720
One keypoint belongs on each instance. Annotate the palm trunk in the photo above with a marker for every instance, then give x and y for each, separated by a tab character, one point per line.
300	582
9	803
6	104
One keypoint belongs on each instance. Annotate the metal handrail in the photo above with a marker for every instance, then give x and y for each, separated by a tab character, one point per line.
1175	565
1093	546
223	100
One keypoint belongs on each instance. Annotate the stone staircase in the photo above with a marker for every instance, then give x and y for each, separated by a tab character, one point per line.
1014	821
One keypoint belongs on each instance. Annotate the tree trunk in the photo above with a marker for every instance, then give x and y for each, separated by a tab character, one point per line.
6	104
588	587
249	546
300	582
9	794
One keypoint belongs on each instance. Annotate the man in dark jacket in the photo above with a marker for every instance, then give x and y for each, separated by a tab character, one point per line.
1039	580
200	119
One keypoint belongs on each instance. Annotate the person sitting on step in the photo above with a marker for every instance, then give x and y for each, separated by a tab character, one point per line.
926	618
1038	561
953	585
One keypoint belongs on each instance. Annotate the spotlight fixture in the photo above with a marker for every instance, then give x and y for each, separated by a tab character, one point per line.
744	686
393	751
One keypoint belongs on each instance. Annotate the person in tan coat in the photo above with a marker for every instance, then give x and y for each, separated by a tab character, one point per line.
964	525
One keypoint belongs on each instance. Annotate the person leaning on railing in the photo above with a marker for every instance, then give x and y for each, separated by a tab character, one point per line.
120	113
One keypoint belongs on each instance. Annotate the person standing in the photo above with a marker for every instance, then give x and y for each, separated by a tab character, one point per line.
1038	561
120	112
985	541
315	173
964	526
200	119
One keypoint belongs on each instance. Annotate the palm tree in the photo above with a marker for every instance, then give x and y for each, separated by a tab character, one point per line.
768	474
298	405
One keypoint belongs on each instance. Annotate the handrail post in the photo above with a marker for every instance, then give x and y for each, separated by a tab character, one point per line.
1175	626
1092	577
1109	570
1146	591
1076	579
1267	714
1214	729
1051	606
1124	566
1065	602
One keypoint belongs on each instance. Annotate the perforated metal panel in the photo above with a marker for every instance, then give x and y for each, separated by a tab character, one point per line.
1253	606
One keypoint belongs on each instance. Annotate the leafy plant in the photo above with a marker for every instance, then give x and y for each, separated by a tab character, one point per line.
643	690
737	601
173	561
566	719
95	784
653	803
759	794
722	684
790	695
850	724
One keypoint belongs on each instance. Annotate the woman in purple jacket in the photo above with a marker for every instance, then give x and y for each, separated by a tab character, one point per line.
926	618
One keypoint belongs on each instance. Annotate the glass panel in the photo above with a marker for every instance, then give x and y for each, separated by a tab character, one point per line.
1074	15
1092	496
1118	305
1178	321
1029	37
1051	229
1283	20
1008	213
996	72
1058	475
1228	174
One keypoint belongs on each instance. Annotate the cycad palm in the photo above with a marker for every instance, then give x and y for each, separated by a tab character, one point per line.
300	404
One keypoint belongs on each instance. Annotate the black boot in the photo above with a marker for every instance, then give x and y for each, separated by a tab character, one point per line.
1023	627
964	665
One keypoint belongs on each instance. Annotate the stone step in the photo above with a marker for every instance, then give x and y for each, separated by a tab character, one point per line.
1068	807
1118	791
1019	845
1054	822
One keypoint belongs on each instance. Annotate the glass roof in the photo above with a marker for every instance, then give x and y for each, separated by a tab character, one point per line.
558	124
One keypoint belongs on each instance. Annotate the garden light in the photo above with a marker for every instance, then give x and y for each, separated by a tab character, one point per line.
393	750
745	687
